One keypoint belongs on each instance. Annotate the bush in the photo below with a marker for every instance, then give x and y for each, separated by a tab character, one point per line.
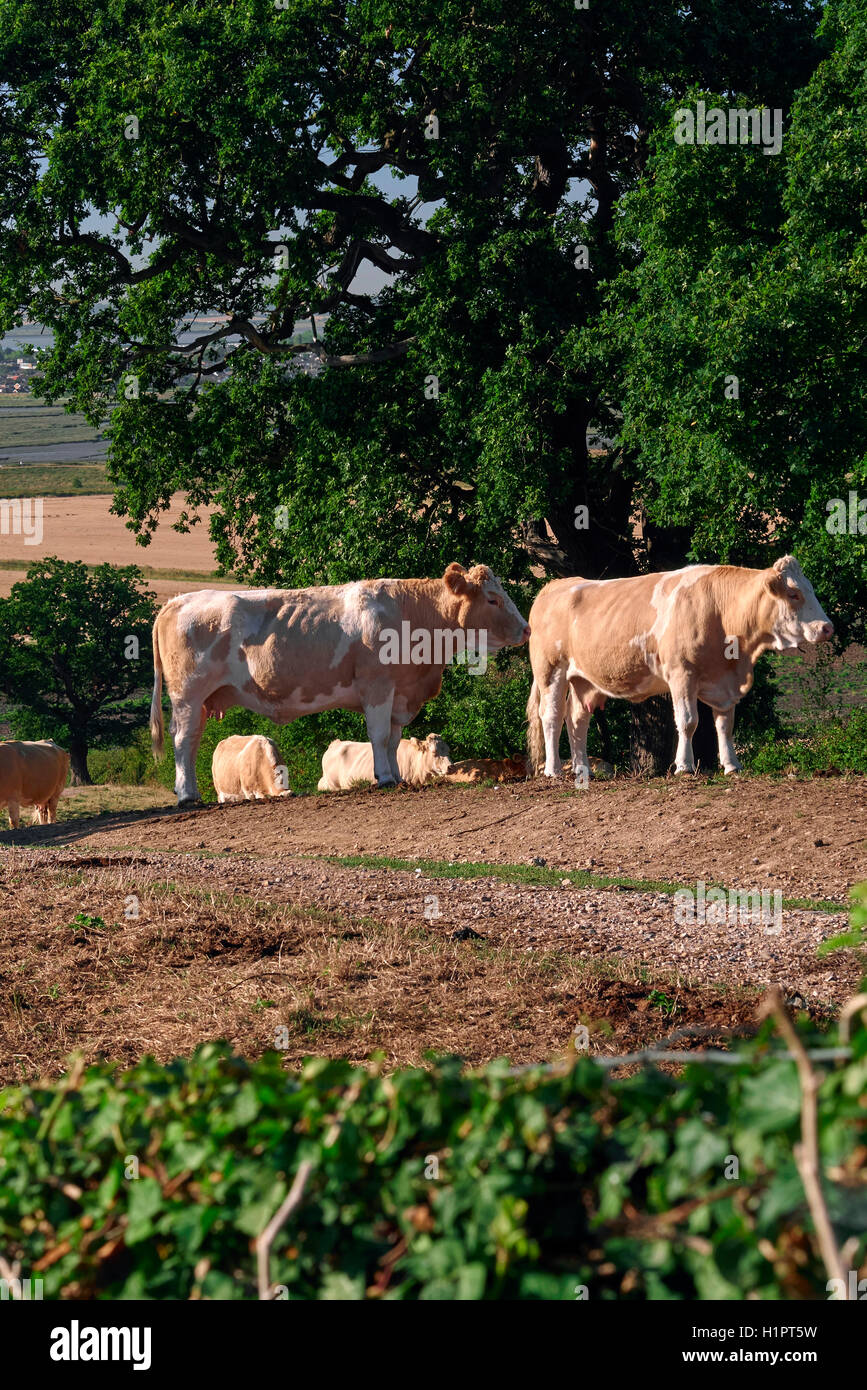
835	746
129	766
152	1183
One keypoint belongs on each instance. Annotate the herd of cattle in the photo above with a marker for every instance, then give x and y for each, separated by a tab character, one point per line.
694	633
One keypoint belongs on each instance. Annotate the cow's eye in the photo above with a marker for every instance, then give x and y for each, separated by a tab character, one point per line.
493	601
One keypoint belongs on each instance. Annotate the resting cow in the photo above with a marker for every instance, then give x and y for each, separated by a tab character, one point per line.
419	760
248	768
379	645
488	769
32	774
695	633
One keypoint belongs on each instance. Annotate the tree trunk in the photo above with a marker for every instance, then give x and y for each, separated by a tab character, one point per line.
705	746
652	736
78	761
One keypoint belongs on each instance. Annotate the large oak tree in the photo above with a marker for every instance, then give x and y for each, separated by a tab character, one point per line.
244	159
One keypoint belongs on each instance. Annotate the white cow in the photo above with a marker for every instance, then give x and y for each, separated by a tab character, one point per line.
248	768
420	760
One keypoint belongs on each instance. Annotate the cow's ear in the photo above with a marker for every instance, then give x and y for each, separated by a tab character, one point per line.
784	587
775	582
455	579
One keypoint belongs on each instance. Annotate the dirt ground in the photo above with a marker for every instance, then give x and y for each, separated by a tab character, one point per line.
139	933
808	838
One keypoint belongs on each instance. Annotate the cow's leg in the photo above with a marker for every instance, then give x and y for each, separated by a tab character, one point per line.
685	701
552	708
725	722
393	741
188	721
14	810
378	720
577	724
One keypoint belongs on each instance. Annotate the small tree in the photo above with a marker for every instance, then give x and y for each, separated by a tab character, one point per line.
74	648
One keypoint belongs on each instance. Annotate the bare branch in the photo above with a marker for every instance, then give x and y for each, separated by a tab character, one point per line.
807	1152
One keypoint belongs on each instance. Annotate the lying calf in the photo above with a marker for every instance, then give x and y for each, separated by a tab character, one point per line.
248	768
419	760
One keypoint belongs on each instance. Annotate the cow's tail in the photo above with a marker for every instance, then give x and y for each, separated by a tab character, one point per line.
535	734
157	730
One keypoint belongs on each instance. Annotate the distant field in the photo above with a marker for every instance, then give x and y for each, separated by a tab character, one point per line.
10	398
47	426
37	433
53	479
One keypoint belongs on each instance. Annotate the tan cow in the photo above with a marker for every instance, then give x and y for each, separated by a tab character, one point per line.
32	774
379	646
488	769
420	760
695	633
248	768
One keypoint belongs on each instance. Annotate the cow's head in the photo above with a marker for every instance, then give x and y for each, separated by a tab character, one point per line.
436	753
799	616
485	606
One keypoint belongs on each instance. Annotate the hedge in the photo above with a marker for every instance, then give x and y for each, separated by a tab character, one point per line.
439	1184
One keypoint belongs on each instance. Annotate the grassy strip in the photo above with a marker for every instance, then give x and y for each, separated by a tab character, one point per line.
148	572
47	479
545	878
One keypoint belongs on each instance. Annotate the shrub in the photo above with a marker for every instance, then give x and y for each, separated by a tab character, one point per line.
153	1182
833	746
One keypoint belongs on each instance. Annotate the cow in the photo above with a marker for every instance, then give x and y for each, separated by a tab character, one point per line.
419	761
488	769
695	633
248	768
32	774
379	646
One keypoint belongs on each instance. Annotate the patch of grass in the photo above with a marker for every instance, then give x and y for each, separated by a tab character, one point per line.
148	572
53	479
536	874
80	803
50	425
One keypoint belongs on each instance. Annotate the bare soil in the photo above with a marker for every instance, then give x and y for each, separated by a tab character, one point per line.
83	528
135	933
808	838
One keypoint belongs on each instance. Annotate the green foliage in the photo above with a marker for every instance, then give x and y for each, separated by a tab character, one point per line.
546	1181
857	934
834	746
64	635
130	764
756	268
321	148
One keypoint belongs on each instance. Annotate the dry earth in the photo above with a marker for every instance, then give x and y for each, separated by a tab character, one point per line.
83	528
137	933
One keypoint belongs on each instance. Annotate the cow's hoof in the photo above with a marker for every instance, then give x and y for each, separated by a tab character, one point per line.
191	803
684	772
732	771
